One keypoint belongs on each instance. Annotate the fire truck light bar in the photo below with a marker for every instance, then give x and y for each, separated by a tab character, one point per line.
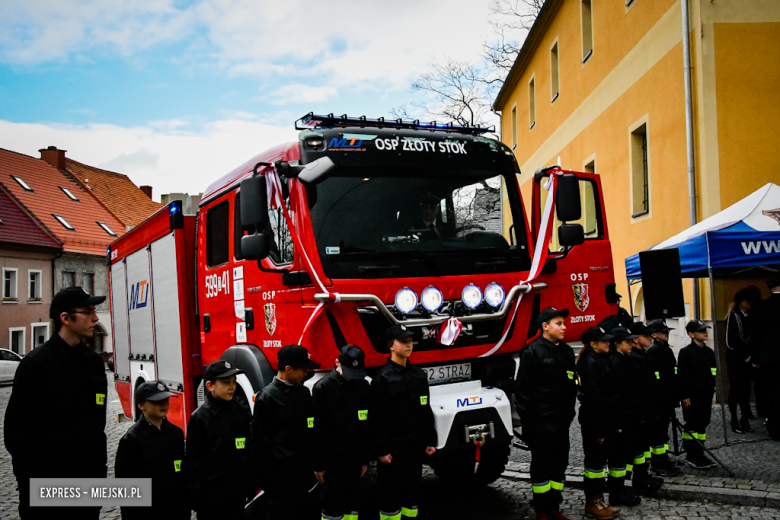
311	121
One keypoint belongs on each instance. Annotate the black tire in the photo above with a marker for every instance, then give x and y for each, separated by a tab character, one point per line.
457	469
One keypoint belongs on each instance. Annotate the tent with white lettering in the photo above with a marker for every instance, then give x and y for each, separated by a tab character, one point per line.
744	235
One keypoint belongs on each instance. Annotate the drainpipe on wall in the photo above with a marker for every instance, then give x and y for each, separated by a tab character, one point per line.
689	138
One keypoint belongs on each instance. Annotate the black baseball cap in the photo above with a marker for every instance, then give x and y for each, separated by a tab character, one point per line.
595	334
622	333
658	326
397	331
152	391
639	328
773	283
353	362
220	369
548	314
429	200
71	298
295	356
696	326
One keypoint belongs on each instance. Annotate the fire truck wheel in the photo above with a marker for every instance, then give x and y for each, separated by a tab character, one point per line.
457	469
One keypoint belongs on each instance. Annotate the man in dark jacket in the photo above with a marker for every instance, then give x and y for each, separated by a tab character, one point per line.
343	439
218	462
664	365
79	448
765	353
545	397
696	370
283	432
738	360
154	448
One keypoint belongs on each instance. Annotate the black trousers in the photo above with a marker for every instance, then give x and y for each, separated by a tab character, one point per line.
549	458
399	481
697	418
658	437
601	458
342	487
287	493
617	461
771	398
50	513
739	391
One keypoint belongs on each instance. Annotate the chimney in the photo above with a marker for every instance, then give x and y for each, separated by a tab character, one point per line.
147	190
54	157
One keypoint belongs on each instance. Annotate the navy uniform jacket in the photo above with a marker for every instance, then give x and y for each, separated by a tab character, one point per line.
648	388
64	382
696	370
599	392
664	365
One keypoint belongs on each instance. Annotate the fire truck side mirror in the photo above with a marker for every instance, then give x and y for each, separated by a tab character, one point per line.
567	200
255	246
570	235
316	171
254	205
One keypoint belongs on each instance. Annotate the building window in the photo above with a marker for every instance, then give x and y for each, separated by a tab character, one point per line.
40	333
590	167
9	284
64	222
514	127
34	290
554	72
22	183
217	235
68	279
587	30
70	194
640	174
106	229
88	283
15	341
532	103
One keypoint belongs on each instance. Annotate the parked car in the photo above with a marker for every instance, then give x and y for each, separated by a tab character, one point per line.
9	361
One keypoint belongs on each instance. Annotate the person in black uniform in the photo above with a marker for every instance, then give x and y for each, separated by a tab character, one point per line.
79	448
429	219
696	370
402	425
343	439
738	360
283	431
598	397
765	353
664	365
154	448
545	396
218	462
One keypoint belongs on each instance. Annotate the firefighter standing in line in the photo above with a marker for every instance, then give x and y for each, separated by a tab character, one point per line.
697	370
645	378
343	439
283	433
154	448
218	462
545	396
664	364
75	451
403	427
598	397
765	353
738	360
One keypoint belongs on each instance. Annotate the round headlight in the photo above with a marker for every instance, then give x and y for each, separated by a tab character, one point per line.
431	299
472	296
405	300
494	295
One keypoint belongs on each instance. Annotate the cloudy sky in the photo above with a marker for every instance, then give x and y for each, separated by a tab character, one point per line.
176	93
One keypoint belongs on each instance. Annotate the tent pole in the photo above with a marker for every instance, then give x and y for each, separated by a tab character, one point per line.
719	378
630	298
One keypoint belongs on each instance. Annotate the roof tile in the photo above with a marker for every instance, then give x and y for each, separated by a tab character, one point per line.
18	227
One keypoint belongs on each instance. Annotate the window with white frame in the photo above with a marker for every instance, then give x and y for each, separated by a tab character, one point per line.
40	334
69	193
64	222
106	229
34	280
21	183
9	284
16	339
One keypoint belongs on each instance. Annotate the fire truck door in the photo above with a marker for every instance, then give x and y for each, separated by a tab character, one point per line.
119	318
167	322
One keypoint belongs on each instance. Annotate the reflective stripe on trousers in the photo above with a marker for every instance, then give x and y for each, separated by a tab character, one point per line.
699	436
590	473
352	516
659	450
542	487
617	472
639	459
409	512
390	516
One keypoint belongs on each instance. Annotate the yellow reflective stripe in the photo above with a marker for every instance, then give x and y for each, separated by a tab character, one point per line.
687	436
240	443
666	447
700	436
558	486
657	375
675	370
659	450
353	516
594	474
362	415
541	488
100	398
409	512
648	455
328	517
714	371
570	374
310	422
639	460
629	467
391	516
176	466
423	400
617	472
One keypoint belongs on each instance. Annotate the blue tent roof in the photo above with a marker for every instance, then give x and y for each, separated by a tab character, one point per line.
743	235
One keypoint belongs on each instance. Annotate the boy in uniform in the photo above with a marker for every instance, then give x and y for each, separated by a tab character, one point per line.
343	443
697	370
218	462
545	397
403	426
154	448
283	433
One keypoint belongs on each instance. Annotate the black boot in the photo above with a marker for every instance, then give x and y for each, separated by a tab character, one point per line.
619	494
745	426
643	482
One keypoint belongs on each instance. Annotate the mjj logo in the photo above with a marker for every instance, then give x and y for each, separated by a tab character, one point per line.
345	142
469	401
139	295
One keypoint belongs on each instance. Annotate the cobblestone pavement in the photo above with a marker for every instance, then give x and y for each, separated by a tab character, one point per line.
506	499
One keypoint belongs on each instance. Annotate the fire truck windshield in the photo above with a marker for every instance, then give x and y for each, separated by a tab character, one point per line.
371	225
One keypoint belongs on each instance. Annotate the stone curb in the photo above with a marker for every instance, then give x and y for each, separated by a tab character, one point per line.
740	497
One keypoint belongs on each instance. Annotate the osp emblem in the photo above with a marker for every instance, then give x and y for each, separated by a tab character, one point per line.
270	317
581	296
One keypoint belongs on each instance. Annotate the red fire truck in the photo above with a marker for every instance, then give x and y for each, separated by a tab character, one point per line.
360	224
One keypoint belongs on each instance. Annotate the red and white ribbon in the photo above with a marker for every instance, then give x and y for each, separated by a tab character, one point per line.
540	252
450	330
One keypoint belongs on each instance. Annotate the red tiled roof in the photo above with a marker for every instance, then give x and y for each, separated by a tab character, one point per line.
18	227
116	191
47	199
